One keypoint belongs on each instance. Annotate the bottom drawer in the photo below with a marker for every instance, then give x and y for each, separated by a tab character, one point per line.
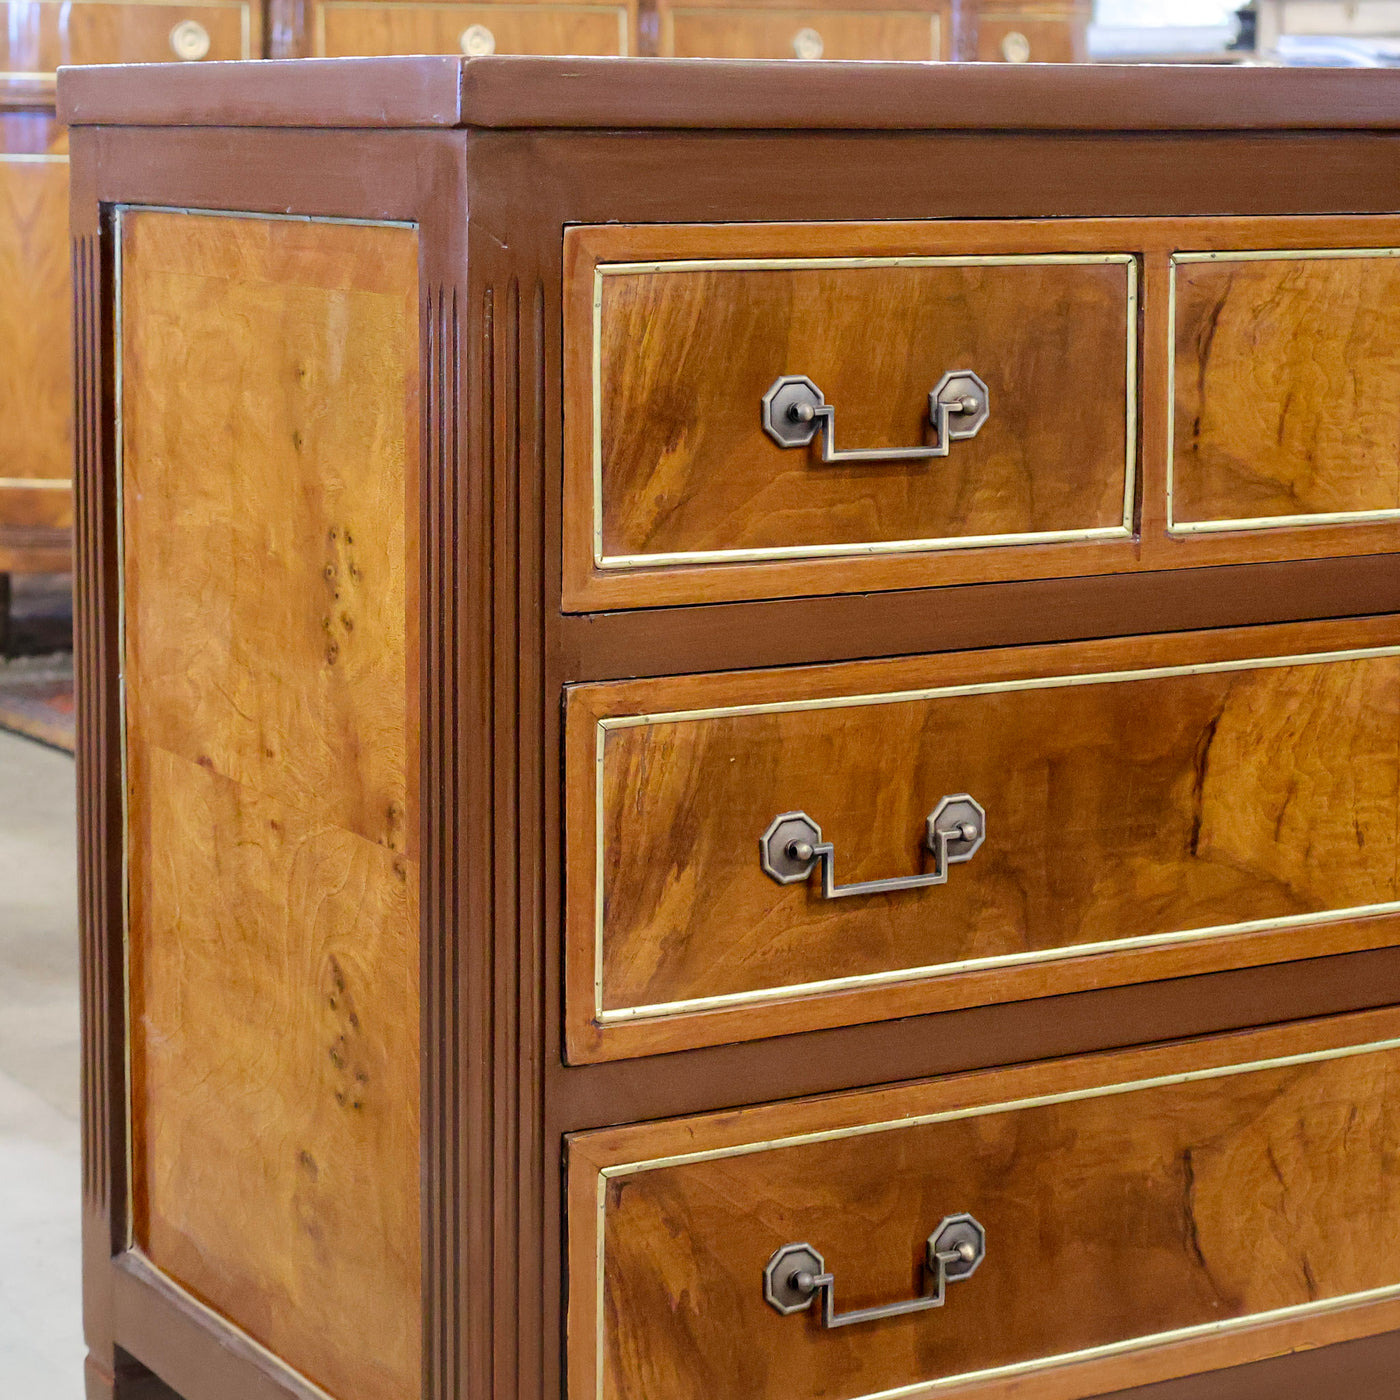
1144	1214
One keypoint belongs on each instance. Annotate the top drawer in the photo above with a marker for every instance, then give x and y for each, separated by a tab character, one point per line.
41	35
1116	394
980	392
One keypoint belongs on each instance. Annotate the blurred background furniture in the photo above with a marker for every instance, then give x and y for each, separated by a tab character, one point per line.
36	433
36	430
1045	31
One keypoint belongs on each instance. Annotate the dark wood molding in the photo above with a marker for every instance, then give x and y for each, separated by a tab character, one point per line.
704	94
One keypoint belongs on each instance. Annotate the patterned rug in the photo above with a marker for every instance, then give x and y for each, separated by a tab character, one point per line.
36	673
37	700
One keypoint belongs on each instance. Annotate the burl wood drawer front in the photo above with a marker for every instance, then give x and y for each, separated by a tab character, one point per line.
669	364
1144	1215
345	29
737	32
43	34
1152	807
1287	389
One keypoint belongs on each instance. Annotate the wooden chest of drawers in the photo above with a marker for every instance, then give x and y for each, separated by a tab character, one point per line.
740	731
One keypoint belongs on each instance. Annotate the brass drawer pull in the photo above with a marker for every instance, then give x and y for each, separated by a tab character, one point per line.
796	1274
807	43
793	844
795	411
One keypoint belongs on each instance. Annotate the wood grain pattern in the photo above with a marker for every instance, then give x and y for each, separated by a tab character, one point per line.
1287	389
588	587
1109	1217
269	454
1053	33
737	30
348	27
686	358
42	34
1255	796
36	374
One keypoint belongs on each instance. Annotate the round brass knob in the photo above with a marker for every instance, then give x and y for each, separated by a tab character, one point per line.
477	41
1016	48
807	43
189	41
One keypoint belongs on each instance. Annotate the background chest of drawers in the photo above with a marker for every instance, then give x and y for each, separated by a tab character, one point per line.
36	385
1042	31
803	796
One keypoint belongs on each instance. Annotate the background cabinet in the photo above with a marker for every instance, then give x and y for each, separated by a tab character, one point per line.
36	387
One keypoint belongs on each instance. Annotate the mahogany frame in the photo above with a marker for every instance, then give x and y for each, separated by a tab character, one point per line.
492	159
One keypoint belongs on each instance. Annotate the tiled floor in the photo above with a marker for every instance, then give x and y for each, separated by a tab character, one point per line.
41	1350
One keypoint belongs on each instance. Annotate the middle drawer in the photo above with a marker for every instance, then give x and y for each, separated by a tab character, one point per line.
1017	823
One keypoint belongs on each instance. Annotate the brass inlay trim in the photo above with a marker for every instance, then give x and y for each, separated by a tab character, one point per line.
1124	530
138	1262
866	981
1104	1351
119	490
38	158
1262	522
34	483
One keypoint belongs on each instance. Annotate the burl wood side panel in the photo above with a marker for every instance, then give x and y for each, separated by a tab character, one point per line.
1287	389
1123	1206
1153	808
346	28
36	363
686	356
269	450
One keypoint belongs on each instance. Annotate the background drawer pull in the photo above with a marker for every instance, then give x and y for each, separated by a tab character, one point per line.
797	1273
795	411
793	844
807	43
477	41
189	41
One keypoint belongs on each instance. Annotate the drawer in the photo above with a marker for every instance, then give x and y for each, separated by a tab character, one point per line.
43	34
739	32
1143	1215
682	373
1032	36
1142	808
350	29
1286	389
